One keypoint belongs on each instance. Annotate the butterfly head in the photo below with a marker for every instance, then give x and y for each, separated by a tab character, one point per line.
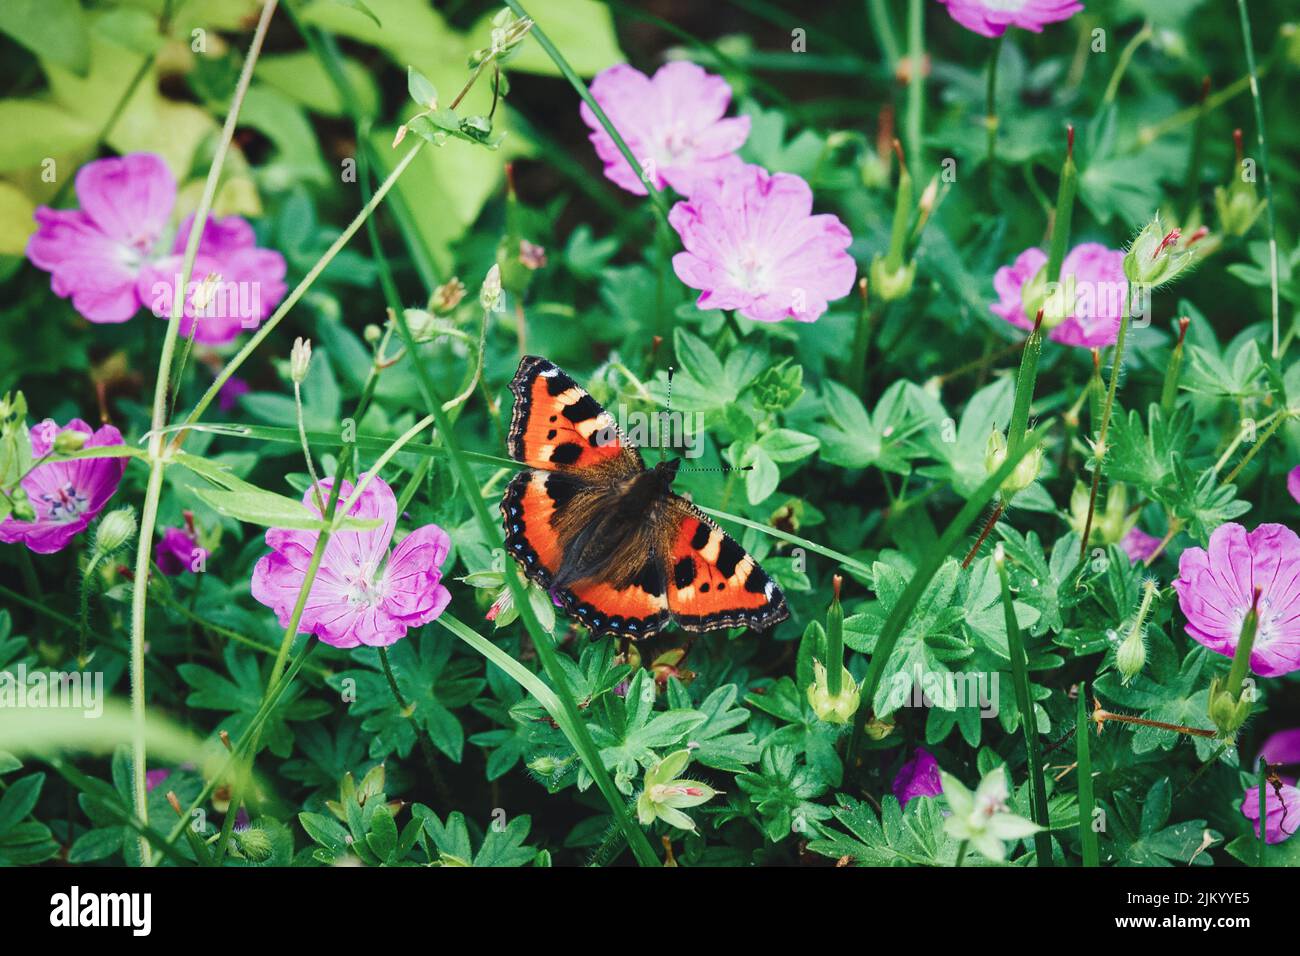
665	471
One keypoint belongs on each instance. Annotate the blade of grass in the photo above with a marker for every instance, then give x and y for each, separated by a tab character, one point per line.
1087	799
1028	722
1261	137
656	197
157	460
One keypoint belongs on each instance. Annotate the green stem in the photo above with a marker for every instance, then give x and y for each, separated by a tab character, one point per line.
961	852
1028	722
1169	391
1254	449
991	115
157	460
878	12
1025	380
915	82
1262	139
656	197
1087	799
87	582
292	299
1101	449
868	316
1125	57
281	658
1262	779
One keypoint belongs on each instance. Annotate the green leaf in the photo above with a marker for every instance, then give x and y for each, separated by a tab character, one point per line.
269	510
18	800
420	89
54	30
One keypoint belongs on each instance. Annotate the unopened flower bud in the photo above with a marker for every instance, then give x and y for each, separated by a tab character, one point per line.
1026	470
1157	255
299	360
115	529
372	333
532	256
833	709
891	284
69	441
254	843
489	296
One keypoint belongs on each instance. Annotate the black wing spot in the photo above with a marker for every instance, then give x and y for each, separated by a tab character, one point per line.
567	453
560	492
756	583
704	588
729	556
650	578
558	383
582	410
550	435
701	536
684	572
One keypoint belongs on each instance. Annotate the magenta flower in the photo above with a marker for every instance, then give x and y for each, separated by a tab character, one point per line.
991	18
154	777
1139	545
753	245
1216	588
229	394
1094	293
1282	749
65	495
250	281
363	594
1293	483
176	552
672	122
1282	811
108	255
919	777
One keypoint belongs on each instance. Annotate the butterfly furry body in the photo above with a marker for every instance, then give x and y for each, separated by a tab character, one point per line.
607	536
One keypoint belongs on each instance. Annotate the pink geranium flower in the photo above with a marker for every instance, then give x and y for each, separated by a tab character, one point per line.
1094	294
1281	810
1139	545
1293	483
1216	588
250	283
65	495
111	255
672	122
176	550
991	18
753	245
919	777
363	594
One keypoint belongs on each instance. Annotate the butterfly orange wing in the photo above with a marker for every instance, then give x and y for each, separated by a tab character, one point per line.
556	425
712	582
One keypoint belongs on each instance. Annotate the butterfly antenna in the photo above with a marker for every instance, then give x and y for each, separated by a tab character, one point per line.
671	370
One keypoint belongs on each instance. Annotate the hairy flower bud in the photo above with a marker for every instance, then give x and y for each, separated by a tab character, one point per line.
115	529
299	360
1026	470
1157	255
490	296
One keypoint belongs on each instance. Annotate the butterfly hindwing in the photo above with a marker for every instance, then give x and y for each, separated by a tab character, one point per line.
543	512
712	582
558	426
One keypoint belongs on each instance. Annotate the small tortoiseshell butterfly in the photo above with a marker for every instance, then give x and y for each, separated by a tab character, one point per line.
591	524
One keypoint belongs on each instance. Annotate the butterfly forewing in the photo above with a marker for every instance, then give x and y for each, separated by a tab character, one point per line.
557	426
